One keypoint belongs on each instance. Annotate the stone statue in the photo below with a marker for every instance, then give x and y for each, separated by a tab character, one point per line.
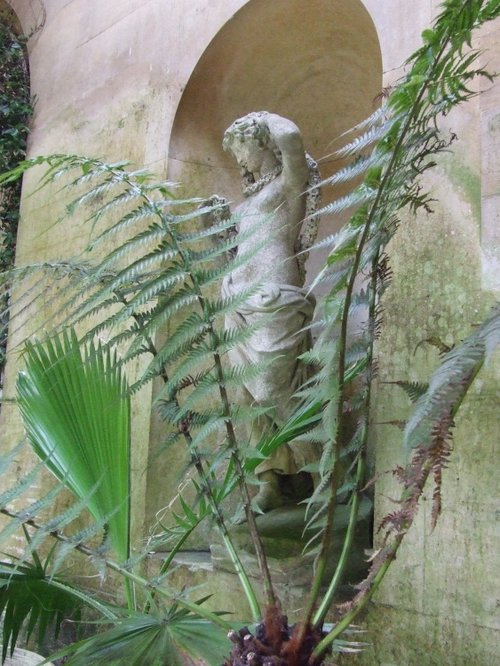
279	181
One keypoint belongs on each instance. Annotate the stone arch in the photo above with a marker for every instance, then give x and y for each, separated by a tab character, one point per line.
317	63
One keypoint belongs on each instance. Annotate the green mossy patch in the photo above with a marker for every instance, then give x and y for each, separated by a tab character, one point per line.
467	181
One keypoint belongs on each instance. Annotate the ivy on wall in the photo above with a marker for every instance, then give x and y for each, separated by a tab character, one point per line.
15	111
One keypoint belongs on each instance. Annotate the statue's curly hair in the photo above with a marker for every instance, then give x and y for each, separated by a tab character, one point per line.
252	126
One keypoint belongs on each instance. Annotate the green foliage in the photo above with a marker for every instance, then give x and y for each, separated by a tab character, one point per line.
77	418
154	639
30	598
161	275
450	382
428	434
403	139
14	99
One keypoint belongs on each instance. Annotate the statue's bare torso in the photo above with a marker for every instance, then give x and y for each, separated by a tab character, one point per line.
270	220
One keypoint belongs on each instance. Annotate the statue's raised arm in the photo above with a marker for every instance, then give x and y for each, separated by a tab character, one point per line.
287	143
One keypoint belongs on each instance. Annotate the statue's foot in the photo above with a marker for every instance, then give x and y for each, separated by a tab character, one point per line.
269	496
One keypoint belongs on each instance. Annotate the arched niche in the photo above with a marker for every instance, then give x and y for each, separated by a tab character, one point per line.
317	63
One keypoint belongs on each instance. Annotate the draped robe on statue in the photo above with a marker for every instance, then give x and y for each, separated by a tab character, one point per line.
280	313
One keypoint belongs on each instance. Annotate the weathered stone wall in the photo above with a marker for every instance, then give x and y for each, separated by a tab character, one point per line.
157	82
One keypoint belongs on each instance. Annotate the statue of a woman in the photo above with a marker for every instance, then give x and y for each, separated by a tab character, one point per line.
277	178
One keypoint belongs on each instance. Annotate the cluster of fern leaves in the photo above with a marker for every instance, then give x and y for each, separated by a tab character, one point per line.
163	272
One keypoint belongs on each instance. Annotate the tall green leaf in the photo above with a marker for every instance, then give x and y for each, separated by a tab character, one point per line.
77	417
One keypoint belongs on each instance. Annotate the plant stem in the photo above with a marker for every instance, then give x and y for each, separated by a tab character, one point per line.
387	555
195	454
256	540
86	598
327	600
346	620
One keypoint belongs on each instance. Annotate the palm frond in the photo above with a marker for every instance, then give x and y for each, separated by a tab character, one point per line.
77	420
29	600
155	639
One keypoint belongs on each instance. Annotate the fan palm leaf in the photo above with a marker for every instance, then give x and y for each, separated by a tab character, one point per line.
77	417
152	639
31	599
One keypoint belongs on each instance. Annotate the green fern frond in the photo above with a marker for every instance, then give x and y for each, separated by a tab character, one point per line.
342	238
206	277
57	522
190	331
31	511
24	484
233	376
148	285
369	138
414	390
142	213
96	193
359	196
162	312
373	120
8	458
154	233
208	232
357	169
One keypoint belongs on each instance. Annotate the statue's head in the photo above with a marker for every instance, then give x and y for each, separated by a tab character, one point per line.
248	138
252	127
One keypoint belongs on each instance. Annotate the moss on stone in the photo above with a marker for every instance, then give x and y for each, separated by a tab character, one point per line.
467	181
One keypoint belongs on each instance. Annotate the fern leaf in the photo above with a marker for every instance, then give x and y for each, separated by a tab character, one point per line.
450	381
204	233
29	512
361	195
360	143
154	233
24	484
414	390
190	331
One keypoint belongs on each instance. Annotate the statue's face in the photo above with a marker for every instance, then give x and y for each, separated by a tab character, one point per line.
249	154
